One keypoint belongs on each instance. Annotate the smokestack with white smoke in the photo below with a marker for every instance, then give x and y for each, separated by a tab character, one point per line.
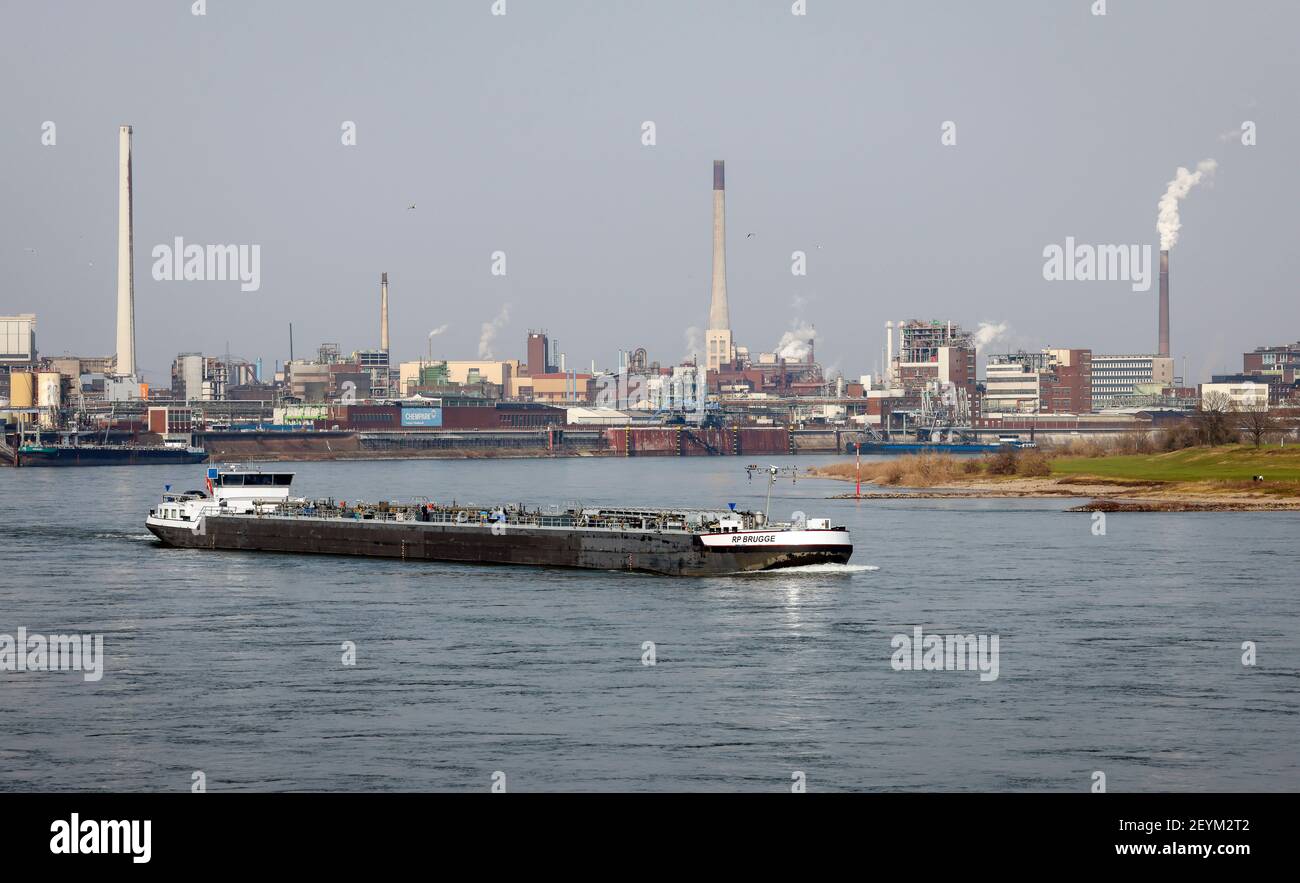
489	332
1167	222
435	332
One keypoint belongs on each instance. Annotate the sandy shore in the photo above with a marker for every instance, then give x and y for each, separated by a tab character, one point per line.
1098	494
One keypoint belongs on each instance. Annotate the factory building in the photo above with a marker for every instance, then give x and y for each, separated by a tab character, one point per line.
1244	396
445	413
934	351
1053	381
1281	360
553	387
1115	377
17	350
541	358
1278	366
308	381
683	390
199	378
374	365
18	341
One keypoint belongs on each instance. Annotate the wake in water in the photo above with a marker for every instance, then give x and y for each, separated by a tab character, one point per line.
842	569
123	535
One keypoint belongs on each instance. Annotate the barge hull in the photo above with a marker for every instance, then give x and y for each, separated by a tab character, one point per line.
107	457
647	551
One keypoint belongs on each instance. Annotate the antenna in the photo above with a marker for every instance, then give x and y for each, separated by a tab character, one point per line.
772	473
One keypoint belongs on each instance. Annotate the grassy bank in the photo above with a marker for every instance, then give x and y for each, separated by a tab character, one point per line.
1231	463
1221	476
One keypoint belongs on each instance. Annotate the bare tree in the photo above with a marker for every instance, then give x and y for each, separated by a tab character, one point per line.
1256	422
1212	418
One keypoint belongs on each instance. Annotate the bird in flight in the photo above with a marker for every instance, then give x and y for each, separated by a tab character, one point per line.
411	206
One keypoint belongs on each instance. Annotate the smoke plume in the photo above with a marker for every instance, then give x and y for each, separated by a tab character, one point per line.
988	333
1167	223
490	330
694	343
795	345
435	332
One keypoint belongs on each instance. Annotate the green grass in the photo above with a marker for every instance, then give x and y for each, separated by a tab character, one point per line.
1227	463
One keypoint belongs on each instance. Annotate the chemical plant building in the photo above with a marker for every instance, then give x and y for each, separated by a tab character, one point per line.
1278	367
1053	381
1117	378
932	352
1236	396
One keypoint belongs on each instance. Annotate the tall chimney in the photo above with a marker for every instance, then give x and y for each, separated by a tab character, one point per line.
125	258
383	312
719	317
1164	303
889	350
717	337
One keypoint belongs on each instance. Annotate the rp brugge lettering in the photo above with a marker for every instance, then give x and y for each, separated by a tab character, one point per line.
750	538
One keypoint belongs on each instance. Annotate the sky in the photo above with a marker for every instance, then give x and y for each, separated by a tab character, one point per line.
523	133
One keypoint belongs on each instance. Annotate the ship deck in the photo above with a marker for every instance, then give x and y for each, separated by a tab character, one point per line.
685	521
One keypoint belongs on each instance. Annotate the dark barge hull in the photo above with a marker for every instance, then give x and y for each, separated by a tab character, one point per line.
665	553
108	456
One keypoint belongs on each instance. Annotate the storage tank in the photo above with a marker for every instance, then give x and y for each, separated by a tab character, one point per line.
22	390
49	389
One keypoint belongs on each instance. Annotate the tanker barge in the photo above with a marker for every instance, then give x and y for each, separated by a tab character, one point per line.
249	510
107	455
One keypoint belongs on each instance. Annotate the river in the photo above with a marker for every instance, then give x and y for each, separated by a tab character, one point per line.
1119	653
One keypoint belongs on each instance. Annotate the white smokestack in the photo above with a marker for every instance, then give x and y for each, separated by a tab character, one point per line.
125	258
889	350
719	315
383	312
1167	222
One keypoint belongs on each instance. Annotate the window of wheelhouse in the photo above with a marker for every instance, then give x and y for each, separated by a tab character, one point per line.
257	479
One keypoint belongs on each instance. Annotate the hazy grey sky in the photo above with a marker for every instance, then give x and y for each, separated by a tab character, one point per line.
522	133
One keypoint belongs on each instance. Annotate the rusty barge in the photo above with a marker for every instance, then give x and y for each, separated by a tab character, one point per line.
250	510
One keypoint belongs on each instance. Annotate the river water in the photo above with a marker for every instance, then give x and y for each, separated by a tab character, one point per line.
1119	653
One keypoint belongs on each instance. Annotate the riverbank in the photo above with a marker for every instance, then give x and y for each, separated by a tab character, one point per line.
1229	478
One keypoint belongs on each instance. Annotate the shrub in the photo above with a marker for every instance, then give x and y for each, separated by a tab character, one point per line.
1179	436
1003	462
1033	464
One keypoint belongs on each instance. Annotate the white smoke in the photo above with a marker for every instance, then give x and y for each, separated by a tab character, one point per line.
988	333
489	333
796	344
694	343
1167	223
435	332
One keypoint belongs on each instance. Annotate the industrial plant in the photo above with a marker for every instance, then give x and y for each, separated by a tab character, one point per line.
358	401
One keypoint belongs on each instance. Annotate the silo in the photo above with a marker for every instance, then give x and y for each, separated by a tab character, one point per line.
22	390
49	392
